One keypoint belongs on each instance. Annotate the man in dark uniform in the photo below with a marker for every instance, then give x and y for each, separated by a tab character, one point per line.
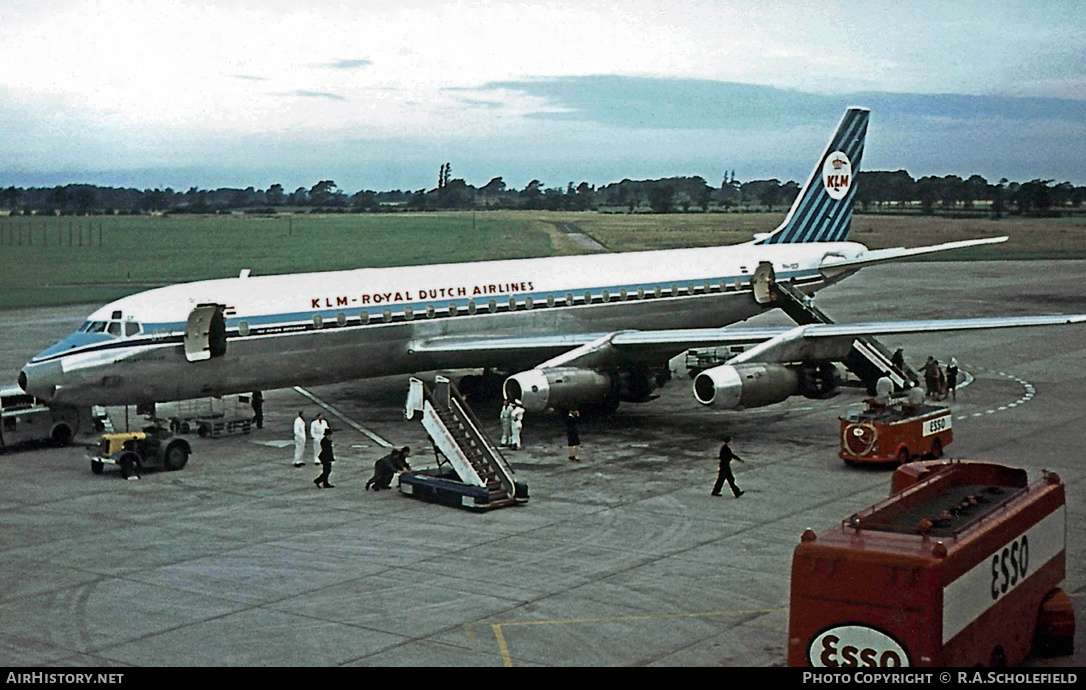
327	458
382	471
258	409
387	467
726	457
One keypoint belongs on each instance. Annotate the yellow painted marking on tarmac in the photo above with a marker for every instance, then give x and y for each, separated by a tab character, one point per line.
507	659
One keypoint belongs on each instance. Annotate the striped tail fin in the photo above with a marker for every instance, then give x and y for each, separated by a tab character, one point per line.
822	211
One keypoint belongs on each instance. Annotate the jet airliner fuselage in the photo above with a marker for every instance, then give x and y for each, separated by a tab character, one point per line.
315	328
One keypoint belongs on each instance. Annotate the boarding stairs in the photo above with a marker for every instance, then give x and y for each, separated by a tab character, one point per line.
459	438
868	359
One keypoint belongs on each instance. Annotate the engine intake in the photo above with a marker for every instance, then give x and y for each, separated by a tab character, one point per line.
745	385
558	387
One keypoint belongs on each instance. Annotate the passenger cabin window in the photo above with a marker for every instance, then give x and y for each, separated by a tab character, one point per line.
365	317
408	313
243	328
512	304
341	319
529	302
550	300
430	311
386	314
452	308
318	321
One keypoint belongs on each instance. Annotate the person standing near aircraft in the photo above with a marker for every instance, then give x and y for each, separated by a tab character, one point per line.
327	458
506	418
299	439
316	432
573	437
952	377
258	409
516	423
725	474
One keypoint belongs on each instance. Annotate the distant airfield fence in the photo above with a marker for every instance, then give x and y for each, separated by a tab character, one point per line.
15	230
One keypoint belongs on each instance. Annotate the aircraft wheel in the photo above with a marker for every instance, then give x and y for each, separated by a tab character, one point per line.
62	436
97	466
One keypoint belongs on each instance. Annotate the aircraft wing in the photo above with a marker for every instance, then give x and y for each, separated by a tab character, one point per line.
833	269
772	343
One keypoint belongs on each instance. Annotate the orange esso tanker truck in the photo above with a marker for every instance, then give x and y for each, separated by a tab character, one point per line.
960	566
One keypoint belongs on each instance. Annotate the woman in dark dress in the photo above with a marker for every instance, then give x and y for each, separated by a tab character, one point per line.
573	439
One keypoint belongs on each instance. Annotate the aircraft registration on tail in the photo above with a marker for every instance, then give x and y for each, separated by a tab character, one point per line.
571	330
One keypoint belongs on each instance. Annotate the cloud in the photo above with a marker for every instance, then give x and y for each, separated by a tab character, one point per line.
304	93
700	104
347	64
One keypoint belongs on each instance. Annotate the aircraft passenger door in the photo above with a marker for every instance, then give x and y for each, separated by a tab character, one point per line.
762	283
205	333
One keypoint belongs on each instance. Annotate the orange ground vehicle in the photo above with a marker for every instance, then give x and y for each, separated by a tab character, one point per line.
895	433
960	566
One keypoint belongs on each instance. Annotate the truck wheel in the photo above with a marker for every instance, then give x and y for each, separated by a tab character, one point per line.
175	457
903	456
97	466
936	449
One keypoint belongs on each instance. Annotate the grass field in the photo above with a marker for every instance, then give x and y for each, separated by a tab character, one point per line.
44	261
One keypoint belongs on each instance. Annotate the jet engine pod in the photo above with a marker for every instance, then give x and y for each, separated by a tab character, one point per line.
745	385
558	387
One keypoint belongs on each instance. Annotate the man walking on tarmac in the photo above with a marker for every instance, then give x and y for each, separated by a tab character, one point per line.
726	457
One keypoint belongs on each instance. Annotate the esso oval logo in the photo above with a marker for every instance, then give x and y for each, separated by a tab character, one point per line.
837	175
856	646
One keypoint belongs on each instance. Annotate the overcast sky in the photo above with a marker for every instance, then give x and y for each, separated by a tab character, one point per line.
251	93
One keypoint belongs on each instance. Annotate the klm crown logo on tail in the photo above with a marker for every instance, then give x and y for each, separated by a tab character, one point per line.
822	212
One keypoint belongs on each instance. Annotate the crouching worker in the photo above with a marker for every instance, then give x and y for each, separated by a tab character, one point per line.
388	467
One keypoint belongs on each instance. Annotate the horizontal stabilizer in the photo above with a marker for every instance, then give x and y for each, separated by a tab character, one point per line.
833	269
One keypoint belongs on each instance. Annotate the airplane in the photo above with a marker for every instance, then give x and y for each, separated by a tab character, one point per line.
575	330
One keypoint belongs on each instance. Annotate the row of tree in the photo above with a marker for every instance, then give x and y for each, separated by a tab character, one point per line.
876	191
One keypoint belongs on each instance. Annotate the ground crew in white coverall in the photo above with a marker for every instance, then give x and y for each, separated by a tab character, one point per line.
516	423
316	432
299	439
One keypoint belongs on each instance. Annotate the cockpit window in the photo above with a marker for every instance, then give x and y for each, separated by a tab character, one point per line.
94	327
131	328
114	328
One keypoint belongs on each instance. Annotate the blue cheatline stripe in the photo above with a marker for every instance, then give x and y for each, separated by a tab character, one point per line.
818	217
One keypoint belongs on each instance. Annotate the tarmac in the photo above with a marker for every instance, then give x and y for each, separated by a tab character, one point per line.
622	559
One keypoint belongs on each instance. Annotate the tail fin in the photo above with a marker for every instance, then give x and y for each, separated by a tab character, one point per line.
822	211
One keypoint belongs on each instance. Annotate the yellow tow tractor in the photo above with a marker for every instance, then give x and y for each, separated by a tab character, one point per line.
133	451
